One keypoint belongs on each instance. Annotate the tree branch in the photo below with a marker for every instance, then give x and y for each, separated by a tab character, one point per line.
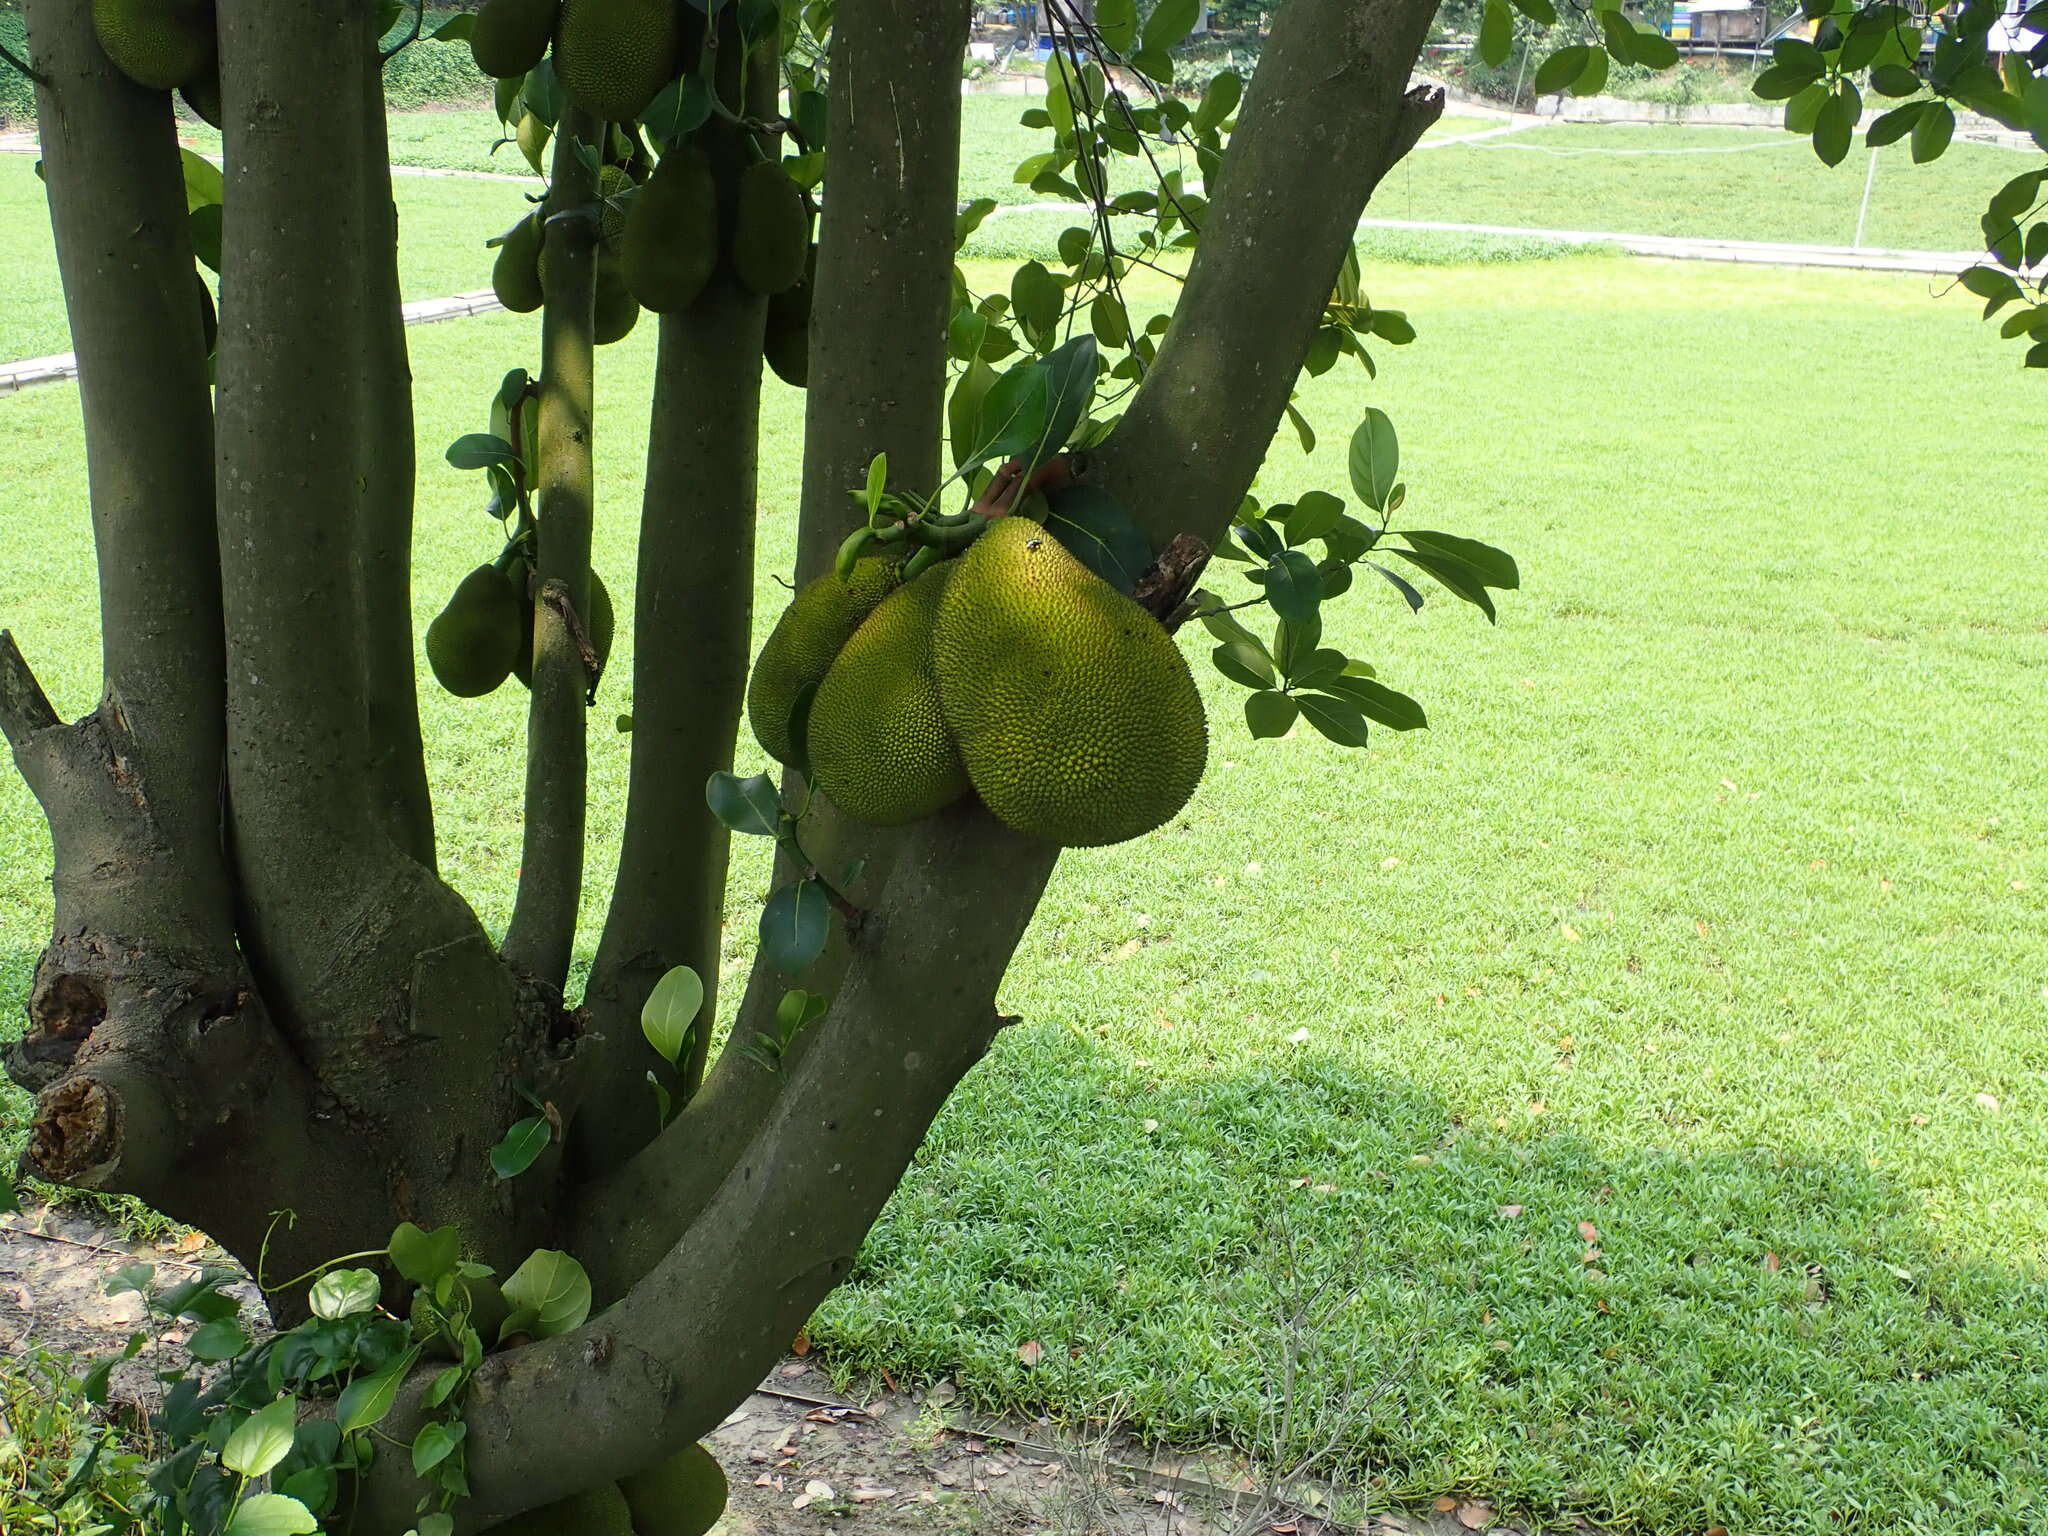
1324	119
542	935
885	265
694	599
24	707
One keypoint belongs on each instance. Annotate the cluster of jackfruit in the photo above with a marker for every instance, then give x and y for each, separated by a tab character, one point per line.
683	1496
1013	671
166	45
485	634
667	233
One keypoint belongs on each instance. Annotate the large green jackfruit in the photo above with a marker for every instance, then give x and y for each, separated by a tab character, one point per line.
1075	712
157	43
617	310
786	342
806	640
771	229
202	94
515	275
473	642
510	37
670	248
598	1512
683	1496
879	745
614	56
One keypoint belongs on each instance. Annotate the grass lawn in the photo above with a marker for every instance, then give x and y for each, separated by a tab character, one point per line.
1709	913
1731	183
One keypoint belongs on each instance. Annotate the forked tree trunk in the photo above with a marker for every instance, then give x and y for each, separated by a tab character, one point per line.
259	994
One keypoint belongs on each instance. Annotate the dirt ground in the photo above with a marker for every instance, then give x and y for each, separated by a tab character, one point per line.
802	1459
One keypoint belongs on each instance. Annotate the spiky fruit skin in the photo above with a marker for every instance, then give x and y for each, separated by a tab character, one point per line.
613	186
670	246
614	56
512	36
617	311
683	1496
474	641
771	235
598	1512
806	640
515	275
157	43
1076	714
879	745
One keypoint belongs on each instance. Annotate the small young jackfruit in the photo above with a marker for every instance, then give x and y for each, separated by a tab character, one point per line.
616	194
617	310
515	275
670	248
683	1496
510	37
879	746
158	43
1075	712
202	94
597	1512
771	230
786	342
614	56
806	640
474	641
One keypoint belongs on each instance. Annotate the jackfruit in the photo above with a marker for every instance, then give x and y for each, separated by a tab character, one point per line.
510	37
806	640
786	342
157	43
202	94
515	275
771	229
616	192
596	1512
474	641
599	625
879	746
683	1496
617	310
670	247
1076	714
614	56
209	317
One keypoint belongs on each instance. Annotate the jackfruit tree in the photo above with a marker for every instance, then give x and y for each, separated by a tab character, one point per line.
576	1233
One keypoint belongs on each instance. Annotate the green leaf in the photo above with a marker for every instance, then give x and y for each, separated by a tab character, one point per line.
367	1399
1835	127
1038	298
683	107
515	1153
455	29
424	1257
970	218
556	1289
671	1008
1302	429
345	1293
1895	124
1294	587
748	806
1493	567
271	1514
1593	79
1620	37
1894	80
1654	49
1781	82
203	181
1559	71
1379	703
434	1444
965	407
262	1440
221	1339
478	449
1170	21
1117	22
1096	529
1932	132
130	1277
1375	458
1269	714
1245	661
794	926
1224	626
1496	42
1106	318
1542	12
1315	516
1454	575
1219	100
206	235
1339	719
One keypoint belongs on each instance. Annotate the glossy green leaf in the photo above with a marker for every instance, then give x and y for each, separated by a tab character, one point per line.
554	1287
970	218
1379	703
434	1444
1561	69
1097	530
1245	662
1315	516
1493	567
271	1514
1339	719
203	181
1375	458
1454	575
477	449
749	806
671	1008
367	1399
262	1440
1269	714
344	1293
1542	12
1654	49
520	1146
1169	23
1496	38
1894	80
795	924
424	1257
1294	587
1932	131
1037	297
1219	99
1895	124
1781	82
1834	128
1117	23
222	1339
1592	79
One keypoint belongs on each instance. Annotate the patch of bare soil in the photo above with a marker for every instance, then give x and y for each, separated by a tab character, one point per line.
803	1460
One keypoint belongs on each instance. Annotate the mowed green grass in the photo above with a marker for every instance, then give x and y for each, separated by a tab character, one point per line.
1727	183
1708	913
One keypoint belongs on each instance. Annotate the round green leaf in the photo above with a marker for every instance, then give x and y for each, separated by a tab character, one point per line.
794	926
272	1514
554	1287
344	1293
671	1008
1560	70
262	1440
423	1257
750	806
221	1339
1269	714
